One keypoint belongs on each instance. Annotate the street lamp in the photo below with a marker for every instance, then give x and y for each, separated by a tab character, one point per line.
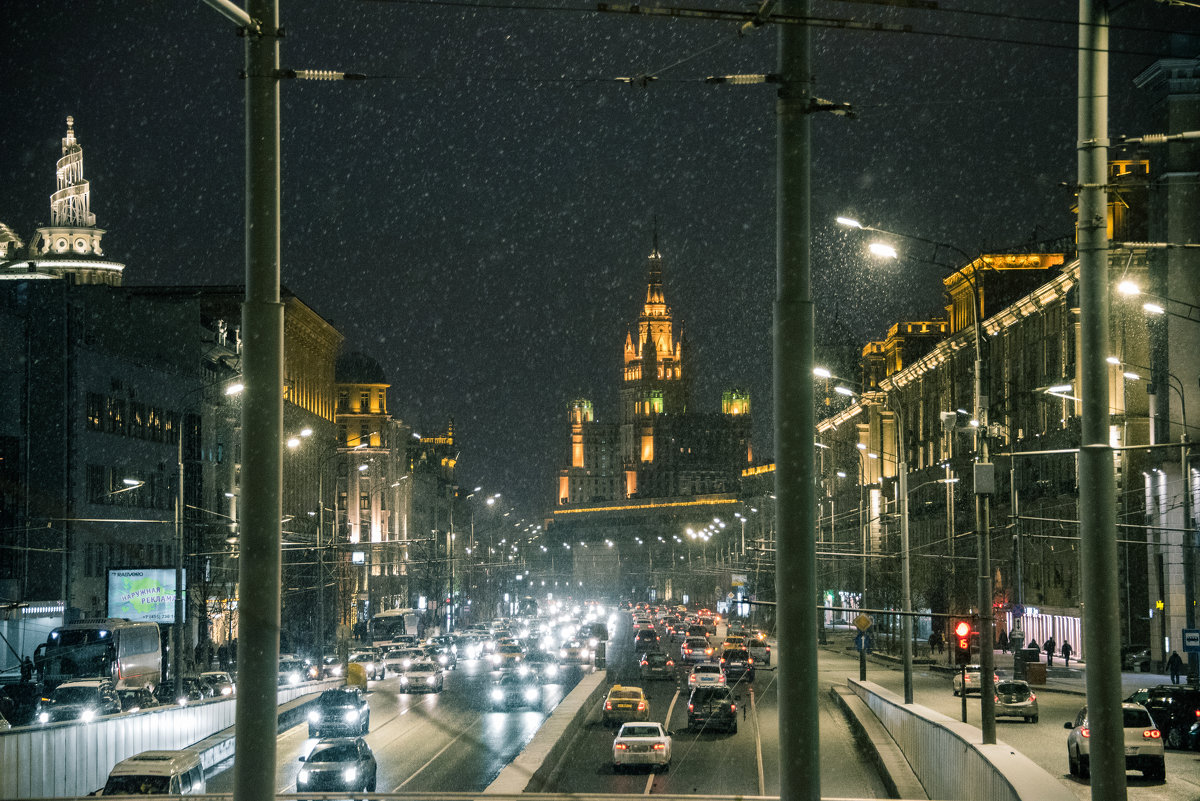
984	472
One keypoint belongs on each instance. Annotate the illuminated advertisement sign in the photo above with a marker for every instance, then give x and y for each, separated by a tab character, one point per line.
143	593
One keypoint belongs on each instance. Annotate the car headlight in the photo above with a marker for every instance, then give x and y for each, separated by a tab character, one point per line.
314	717
404	679
303	777
551	670
88	715
431	680
406	663
350	716
182	700
562	653
336	670
531	694
293	678
43	717
497	694
593	642
350	774
443	659
523	670
226	691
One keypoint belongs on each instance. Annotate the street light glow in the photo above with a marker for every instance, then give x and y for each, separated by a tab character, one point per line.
883	250
1128	287
822	372
849	222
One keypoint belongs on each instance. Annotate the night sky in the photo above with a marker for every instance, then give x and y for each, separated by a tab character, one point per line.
477	214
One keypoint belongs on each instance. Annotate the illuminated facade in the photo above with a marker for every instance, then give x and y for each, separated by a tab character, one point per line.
70	245
659	446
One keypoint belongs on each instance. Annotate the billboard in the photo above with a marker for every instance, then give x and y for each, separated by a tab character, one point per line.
143	593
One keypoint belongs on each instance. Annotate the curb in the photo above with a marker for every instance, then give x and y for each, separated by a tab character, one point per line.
219	747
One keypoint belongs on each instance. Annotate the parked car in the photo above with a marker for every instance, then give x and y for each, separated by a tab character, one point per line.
1143	744
342	710
342	764
712	707
1015	699
641	744
1174	707
624	704
85	700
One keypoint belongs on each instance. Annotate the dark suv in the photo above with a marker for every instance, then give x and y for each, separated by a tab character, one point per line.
738	665
342	710
710	707
657	665
1174	707
645	638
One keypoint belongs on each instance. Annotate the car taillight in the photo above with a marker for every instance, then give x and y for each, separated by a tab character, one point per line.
1032	697
1084	731
621	746
644	663
641	706
750	661
689	706
608	704
722	660
670	663
660	746
1151	734
733	707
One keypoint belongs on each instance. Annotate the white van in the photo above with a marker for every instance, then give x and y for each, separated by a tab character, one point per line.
157	773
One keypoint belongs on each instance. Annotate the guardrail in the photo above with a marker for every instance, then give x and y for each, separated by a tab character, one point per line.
949	759
73	759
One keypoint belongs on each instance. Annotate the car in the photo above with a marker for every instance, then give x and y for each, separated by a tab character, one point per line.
292	672
444	655
968	681
343	764
340	710
656	665
707	674
1135	658
732	641
1015	699
421	676
508	654
596	633
20	702
220	682
575	651
189	692
641	744
1174	707
712	707
445	641
624	704
136	699
157	773
371	664
543	665
697	630
397	660
405	641
514	690
760	650
331	667
84	700
696	649
1143	743
645	638
737	664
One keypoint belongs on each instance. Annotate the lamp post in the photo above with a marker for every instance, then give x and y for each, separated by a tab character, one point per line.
984	475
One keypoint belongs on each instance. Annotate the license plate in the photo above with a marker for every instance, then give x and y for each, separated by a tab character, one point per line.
624	706
1131	751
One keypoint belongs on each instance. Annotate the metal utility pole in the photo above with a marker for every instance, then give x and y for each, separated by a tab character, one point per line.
262	421
795	425
180	590
1097	484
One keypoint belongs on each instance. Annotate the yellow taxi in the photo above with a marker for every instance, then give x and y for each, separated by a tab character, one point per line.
624	704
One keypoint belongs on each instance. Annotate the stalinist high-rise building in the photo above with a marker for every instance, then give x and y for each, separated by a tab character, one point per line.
658	446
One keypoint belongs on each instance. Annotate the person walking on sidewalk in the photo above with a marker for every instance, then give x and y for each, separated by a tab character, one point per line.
1174	666
1049	648
1003	641
1066	653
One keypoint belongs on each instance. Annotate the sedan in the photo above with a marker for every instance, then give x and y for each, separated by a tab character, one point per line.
1014	699
696	649
641	744
969	681
707	674
341	764
398	660
513	690
422	676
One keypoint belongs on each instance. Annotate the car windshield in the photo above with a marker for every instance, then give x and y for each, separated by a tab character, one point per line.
74	695
707	669
137	785
1137	719
342	752
640	731
623	695
360	658
1012	688
336	698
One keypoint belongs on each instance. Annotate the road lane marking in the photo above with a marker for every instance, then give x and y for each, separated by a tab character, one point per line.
666	725
466	730
762	784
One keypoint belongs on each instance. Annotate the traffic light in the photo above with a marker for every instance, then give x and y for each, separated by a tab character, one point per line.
962	641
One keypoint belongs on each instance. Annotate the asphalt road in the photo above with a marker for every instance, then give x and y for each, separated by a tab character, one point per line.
440	742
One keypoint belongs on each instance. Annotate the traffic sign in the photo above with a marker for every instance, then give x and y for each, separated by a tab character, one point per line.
1191	641
862	622
862	642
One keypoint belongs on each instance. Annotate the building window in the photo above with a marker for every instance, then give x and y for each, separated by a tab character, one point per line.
343	401
364	401
95	411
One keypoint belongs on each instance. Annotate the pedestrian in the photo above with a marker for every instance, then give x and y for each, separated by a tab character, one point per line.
1174	666
1066	653
26	670
223	656
1049	648
1003	641
932	643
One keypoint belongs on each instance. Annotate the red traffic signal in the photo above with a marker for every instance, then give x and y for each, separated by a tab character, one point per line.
962	636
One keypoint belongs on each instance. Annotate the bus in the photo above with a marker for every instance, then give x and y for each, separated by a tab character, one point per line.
387	625
128	652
